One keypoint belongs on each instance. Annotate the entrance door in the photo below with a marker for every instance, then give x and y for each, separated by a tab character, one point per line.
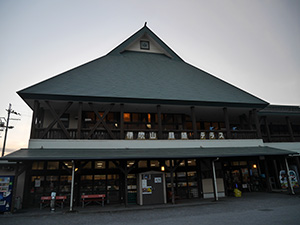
157	196
152	188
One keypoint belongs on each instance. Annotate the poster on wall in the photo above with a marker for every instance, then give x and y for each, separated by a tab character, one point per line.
37	183
144	183
157	180
147	190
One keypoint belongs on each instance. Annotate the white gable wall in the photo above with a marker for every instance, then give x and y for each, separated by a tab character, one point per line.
154	46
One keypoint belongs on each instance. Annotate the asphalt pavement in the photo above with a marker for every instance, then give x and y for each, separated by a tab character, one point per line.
251	208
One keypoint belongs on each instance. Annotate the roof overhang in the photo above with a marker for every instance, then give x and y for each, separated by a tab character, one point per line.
29	99
141	153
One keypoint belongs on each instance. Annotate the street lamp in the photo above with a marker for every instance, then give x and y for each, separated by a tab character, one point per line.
2	125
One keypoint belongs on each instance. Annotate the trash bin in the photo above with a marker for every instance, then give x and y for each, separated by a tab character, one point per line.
18	203
52	201
237	193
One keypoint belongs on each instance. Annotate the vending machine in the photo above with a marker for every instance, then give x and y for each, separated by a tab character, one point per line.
6	191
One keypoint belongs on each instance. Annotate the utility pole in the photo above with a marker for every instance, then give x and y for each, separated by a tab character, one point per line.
9	111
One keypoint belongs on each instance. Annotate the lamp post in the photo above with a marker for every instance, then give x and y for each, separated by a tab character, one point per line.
9	111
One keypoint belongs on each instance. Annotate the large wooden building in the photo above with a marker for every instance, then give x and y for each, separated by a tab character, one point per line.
140	112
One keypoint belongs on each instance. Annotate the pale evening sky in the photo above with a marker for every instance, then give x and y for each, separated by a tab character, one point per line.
254	45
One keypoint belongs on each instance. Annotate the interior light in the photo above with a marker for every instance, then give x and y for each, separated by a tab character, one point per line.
76	169
162	168
254	166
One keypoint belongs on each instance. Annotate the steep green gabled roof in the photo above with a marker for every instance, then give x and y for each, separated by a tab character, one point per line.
124	75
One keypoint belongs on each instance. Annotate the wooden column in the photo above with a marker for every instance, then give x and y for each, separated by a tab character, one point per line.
79	121
160	134
267	129
288	122
227	124
122	122
193	114
36	108
257	125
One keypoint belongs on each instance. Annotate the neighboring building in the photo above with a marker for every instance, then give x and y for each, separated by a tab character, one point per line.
141	110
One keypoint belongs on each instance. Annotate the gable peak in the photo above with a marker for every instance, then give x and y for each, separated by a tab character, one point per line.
144	40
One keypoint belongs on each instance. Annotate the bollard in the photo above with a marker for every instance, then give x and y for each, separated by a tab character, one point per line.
52	202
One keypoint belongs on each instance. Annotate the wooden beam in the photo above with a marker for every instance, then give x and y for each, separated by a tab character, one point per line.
288	122
57	118
101	120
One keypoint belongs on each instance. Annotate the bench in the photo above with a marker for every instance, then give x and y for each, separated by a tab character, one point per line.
87	199
59	201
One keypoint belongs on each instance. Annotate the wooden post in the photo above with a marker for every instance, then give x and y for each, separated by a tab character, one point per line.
72	186
288	122
122	122
227	124
199	178
126	185
36	108
172	181
276	173
215	186
269	188
257	125
160	134
13	199
79	122
194	122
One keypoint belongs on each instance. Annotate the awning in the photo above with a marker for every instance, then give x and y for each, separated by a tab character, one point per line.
141	153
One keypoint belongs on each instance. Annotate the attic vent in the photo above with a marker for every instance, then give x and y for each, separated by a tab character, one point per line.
145	45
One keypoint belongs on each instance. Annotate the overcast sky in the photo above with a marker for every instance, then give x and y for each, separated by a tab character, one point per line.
254	45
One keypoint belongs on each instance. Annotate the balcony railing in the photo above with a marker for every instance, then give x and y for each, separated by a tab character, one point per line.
102	134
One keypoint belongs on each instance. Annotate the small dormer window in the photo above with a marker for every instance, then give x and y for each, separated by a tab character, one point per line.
145	45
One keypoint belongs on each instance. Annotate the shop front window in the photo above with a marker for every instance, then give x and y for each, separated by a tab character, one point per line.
53	165
37	165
